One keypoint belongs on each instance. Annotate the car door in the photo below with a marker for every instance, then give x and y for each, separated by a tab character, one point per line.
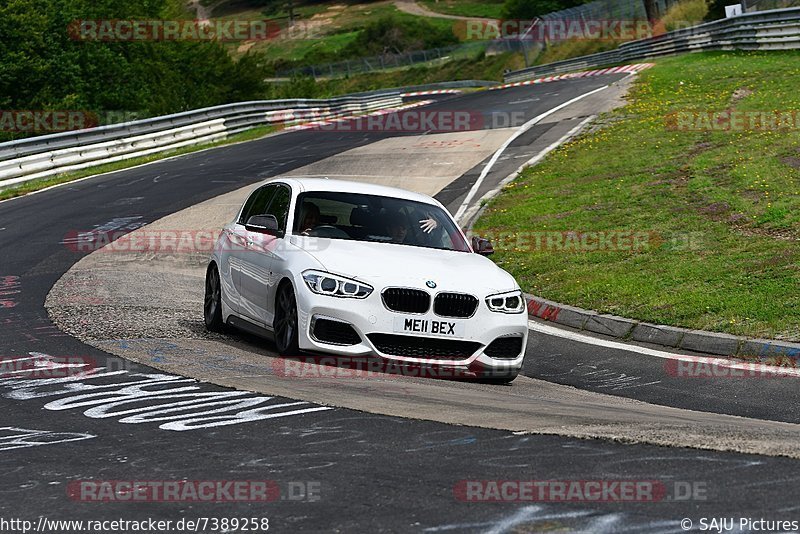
257	265
237	252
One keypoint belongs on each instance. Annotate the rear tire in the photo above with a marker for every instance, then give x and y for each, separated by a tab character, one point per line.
212	303
285	323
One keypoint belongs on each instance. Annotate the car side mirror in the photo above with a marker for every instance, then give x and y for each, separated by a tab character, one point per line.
264	224
482	246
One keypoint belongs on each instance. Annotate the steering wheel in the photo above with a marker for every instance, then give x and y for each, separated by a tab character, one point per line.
327	230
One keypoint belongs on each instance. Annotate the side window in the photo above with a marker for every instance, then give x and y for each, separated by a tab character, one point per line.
258	202
279	207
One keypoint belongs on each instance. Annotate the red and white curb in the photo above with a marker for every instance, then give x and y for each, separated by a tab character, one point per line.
436	92
339	120
583	74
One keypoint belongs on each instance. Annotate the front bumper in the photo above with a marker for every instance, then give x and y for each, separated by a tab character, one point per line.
370	316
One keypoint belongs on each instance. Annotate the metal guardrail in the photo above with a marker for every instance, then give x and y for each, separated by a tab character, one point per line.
47	155
42	156
778	29
457	84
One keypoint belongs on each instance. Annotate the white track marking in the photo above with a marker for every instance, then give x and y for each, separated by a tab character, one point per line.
469	213
522	129
173	402
710	360
20	438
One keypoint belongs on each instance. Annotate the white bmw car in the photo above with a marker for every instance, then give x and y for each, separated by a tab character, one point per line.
355	269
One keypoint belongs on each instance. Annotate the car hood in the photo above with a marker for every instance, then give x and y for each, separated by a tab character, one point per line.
386	264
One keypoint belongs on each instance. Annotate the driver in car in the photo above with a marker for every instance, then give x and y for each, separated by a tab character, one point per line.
398	229
310	217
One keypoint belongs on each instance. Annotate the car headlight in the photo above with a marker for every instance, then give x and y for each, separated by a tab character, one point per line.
511	302
333	285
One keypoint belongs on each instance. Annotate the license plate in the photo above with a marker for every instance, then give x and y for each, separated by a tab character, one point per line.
431	327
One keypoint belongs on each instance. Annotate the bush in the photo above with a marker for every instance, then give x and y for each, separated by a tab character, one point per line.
529	9
685	14
393	35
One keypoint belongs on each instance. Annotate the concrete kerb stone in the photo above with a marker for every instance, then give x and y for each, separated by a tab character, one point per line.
559	313
769	348
711	342
666	336
702	341
610	325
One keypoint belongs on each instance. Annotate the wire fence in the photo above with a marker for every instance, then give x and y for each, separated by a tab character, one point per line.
597	10
363	65
751	6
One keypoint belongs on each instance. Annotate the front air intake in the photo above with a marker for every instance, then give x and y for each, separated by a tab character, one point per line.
458	305
335	332
405	300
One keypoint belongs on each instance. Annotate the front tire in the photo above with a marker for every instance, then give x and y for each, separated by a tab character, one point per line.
212	303
285	324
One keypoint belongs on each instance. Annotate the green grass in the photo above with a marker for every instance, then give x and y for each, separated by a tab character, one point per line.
466	8
724	205
295	50
37	185
574	48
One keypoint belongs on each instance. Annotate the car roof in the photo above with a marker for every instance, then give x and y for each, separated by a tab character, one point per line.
352	186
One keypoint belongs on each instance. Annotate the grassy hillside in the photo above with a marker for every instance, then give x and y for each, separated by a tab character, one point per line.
326	29
721	208
466	8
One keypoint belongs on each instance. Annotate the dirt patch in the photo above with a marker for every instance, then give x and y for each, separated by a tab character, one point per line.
716	209
737	219
660	182
792	161
779	259
753	194
562	215
740	93
700	147
684	172
244	47
782	235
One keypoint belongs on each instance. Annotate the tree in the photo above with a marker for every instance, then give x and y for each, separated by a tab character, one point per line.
43	67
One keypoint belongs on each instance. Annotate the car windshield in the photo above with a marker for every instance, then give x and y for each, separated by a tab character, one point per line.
374	218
